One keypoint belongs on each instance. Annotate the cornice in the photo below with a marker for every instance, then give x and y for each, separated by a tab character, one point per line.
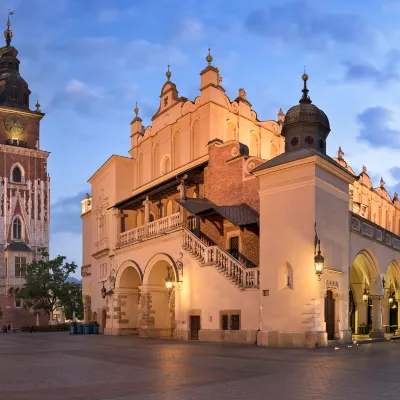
11	110
110	160
24	150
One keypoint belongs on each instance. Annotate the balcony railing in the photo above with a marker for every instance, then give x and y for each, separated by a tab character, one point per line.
155	228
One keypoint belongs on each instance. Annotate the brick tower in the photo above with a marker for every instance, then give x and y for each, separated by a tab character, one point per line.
24	186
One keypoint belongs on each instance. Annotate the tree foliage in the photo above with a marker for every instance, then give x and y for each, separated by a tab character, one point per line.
72	302
46	286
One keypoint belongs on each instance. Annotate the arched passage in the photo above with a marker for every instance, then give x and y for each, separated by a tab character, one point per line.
365	295
123	310
157	303
390	313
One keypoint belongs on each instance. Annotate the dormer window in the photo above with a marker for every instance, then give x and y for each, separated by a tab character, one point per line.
17	229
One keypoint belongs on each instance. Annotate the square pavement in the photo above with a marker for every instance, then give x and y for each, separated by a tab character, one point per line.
52	366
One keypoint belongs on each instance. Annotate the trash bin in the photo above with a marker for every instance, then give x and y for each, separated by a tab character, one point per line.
95	329
73	329
79	329
87	329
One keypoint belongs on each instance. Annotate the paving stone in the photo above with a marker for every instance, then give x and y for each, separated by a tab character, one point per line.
51	366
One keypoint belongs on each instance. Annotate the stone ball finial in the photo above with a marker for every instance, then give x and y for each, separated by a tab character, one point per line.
37	106
364	169
136	110
340	153
168	74
209	57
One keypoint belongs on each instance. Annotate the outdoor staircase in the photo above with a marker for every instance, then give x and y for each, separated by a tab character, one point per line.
212	255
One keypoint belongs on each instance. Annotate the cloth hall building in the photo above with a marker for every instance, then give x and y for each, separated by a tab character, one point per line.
222	227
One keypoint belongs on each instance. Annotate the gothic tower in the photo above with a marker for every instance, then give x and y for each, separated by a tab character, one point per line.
24	185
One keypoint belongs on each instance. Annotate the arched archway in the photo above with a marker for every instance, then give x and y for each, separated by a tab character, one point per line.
391	301
157	303
124	302
366	292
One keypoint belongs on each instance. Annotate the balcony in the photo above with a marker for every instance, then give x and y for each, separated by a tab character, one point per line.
155	228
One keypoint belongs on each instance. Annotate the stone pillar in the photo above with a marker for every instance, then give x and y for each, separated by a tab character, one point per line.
182	210
119	215
377	331
386	316
146	204
181	331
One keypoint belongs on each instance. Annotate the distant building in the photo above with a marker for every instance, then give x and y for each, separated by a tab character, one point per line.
223	227
24	186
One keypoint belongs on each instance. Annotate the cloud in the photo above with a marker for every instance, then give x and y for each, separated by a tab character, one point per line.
188	30
69	245
366	71
375	129
65	215
301	23
395	172
113	15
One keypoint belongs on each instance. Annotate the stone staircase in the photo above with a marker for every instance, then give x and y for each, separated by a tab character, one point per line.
239	275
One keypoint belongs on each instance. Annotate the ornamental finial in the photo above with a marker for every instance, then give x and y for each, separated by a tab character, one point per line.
209	57
305	98
340	153
8	32
382	182
37	106
168	74
136	110
364	169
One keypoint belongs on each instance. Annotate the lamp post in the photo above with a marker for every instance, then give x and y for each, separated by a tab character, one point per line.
112	279
319	260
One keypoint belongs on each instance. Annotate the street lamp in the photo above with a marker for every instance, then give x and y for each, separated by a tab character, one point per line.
103	291
365	294
168	279
318	258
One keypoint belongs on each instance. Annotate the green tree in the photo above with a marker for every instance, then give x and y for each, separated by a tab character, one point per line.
46	286
72	300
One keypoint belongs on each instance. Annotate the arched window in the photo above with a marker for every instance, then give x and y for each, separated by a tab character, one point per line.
16	175
169	207
253	145
17	229
165	165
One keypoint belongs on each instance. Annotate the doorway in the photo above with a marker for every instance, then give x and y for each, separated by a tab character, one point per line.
194	327
330	315
234	246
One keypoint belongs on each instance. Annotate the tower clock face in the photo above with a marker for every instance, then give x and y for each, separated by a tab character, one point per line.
15	124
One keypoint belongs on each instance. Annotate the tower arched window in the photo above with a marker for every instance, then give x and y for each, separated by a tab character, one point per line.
16	175
17	229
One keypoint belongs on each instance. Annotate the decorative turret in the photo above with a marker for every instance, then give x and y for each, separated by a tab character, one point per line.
210	76
14	91
305	126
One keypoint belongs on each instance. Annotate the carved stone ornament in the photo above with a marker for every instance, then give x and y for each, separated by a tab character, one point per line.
235	107
103	202
250	166
376	296
234	152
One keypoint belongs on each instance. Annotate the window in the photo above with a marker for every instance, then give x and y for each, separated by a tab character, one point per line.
16	175
102	227
224	322
20	266
230	320
17	229
103	270
235	322
18	303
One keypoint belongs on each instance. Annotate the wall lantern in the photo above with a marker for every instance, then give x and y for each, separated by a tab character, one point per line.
318	258
168	279
365	294
103	291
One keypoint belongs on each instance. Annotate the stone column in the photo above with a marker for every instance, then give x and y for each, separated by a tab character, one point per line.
146	204
182	210
119	215
386	316
377	331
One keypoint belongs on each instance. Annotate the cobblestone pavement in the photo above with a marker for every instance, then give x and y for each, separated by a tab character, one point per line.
52	366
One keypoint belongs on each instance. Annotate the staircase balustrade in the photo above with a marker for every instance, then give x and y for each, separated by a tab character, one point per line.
241	276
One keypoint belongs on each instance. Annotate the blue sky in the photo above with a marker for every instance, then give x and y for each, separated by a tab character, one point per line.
89	61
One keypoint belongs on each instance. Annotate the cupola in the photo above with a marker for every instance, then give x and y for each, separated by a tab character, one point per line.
305	125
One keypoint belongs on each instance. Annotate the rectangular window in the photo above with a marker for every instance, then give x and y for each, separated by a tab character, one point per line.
20	266
18	303
225	321
103	270
235	322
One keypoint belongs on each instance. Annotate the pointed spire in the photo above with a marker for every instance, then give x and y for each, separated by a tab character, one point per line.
209	57
37	106
340	154
281	115
168	74
136	110
382	182
305	98
8	32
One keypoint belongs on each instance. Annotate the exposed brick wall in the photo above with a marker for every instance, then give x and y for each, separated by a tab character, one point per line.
250	245
224	181
214	230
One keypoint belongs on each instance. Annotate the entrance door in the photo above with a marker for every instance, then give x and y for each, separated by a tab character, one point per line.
194	327
234	246
330	315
